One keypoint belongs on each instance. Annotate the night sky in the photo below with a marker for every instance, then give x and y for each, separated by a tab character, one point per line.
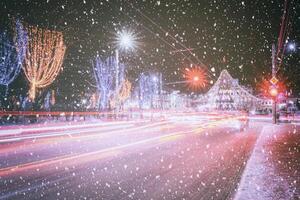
236	35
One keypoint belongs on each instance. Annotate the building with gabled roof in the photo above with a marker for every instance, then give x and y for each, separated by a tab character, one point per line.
227	94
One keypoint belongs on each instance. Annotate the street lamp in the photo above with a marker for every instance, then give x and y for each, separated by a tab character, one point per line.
125	40
292	46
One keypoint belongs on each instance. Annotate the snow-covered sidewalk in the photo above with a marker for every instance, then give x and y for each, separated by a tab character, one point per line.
261	179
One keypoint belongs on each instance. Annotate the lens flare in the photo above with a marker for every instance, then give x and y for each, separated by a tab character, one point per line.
266	88
195	77
126	40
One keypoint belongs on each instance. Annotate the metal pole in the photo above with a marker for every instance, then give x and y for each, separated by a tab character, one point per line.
273	61
160	91
117	79
274	75
117	69
274	112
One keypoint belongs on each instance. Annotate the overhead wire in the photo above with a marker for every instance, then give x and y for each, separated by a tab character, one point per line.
177	41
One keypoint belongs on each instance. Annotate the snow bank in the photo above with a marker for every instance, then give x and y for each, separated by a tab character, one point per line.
259	180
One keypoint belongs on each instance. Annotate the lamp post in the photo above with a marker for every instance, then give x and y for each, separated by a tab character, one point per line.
273	89
125	40
117	70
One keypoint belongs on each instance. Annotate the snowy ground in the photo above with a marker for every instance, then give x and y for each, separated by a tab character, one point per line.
262	179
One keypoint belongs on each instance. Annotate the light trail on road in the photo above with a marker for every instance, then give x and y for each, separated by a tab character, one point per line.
128	130
47	154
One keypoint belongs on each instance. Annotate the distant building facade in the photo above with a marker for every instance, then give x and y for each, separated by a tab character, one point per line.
227	94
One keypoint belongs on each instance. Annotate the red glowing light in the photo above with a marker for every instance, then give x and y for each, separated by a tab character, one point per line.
267	89
273	92
196	77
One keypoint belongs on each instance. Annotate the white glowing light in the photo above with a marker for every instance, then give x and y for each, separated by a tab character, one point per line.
292	46
196	78
126	40
155	79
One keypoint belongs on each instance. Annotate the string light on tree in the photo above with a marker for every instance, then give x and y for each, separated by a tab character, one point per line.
44	58
122	95
12	53
104	75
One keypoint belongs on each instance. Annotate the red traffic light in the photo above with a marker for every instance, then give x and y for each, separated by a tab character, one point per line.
273	92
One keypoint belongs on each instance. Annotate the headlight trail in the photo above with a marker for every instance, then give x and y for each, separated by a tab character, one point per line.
81	158
41	140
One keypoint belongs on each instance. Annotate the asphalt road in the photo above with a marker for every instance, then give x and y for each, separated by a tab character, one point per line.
176	157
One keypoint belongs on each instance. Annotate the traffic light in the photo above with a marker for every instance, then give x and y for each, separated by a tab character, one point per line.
273	92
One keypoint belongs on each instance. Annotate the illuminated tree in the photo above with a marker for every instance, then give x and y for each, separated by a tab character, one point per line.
149	88
12	53
93	100
53	100
44	58
123	93
125	90
104	75
49	100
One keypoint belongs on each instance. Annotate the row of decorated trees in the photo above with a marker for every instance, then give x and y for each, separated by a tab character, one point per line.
110	94
36	51
40	53
12	54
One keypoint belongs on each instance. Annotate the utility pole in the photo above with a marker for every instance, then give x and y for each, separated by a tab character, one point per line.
160	91
117	69
273	88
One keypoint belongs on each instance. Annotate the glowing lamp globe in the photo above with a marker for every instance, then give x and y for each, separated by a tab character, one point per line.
292	47
126	40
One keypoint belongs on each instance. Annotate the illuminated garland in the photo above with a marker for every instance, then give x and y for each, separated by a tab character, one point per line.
44	58
12	53
122	94
104	75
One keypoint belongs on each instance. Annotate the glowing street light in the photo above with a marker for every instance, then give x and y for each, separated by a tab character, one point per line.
292	46
126	40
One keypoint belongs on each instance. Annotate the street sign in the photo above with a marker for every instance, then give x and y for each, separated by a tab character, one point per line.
274	80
